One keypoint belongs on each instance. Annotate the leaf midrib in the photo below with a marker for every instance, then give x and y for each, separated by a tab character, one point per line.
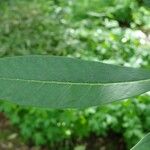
72	83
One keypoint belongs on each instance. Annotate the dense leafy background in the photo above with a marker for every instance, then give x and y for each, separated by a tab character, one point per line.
111	31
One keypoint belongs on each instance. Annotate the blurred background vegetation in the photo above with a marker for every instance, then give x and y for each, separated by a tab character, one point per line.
111	31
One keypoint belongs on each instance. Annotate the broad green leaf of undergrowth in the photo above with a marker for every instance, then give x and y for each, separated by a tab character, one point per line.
60	82
143	144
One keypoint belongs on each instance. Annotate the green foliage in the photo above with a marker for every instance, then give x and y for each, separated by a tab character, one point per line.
111	31
34	30
51	126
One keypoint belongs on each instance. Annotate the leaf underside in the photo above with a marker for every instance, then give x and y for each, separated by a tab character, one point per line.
60	82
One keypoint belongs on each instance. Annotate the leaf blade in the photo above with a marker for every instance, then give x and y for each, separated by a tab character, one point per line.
59	82
143	144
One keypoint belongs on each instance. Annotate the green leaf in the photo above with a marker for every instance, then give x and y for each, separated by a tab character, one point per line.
143	144
60	82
